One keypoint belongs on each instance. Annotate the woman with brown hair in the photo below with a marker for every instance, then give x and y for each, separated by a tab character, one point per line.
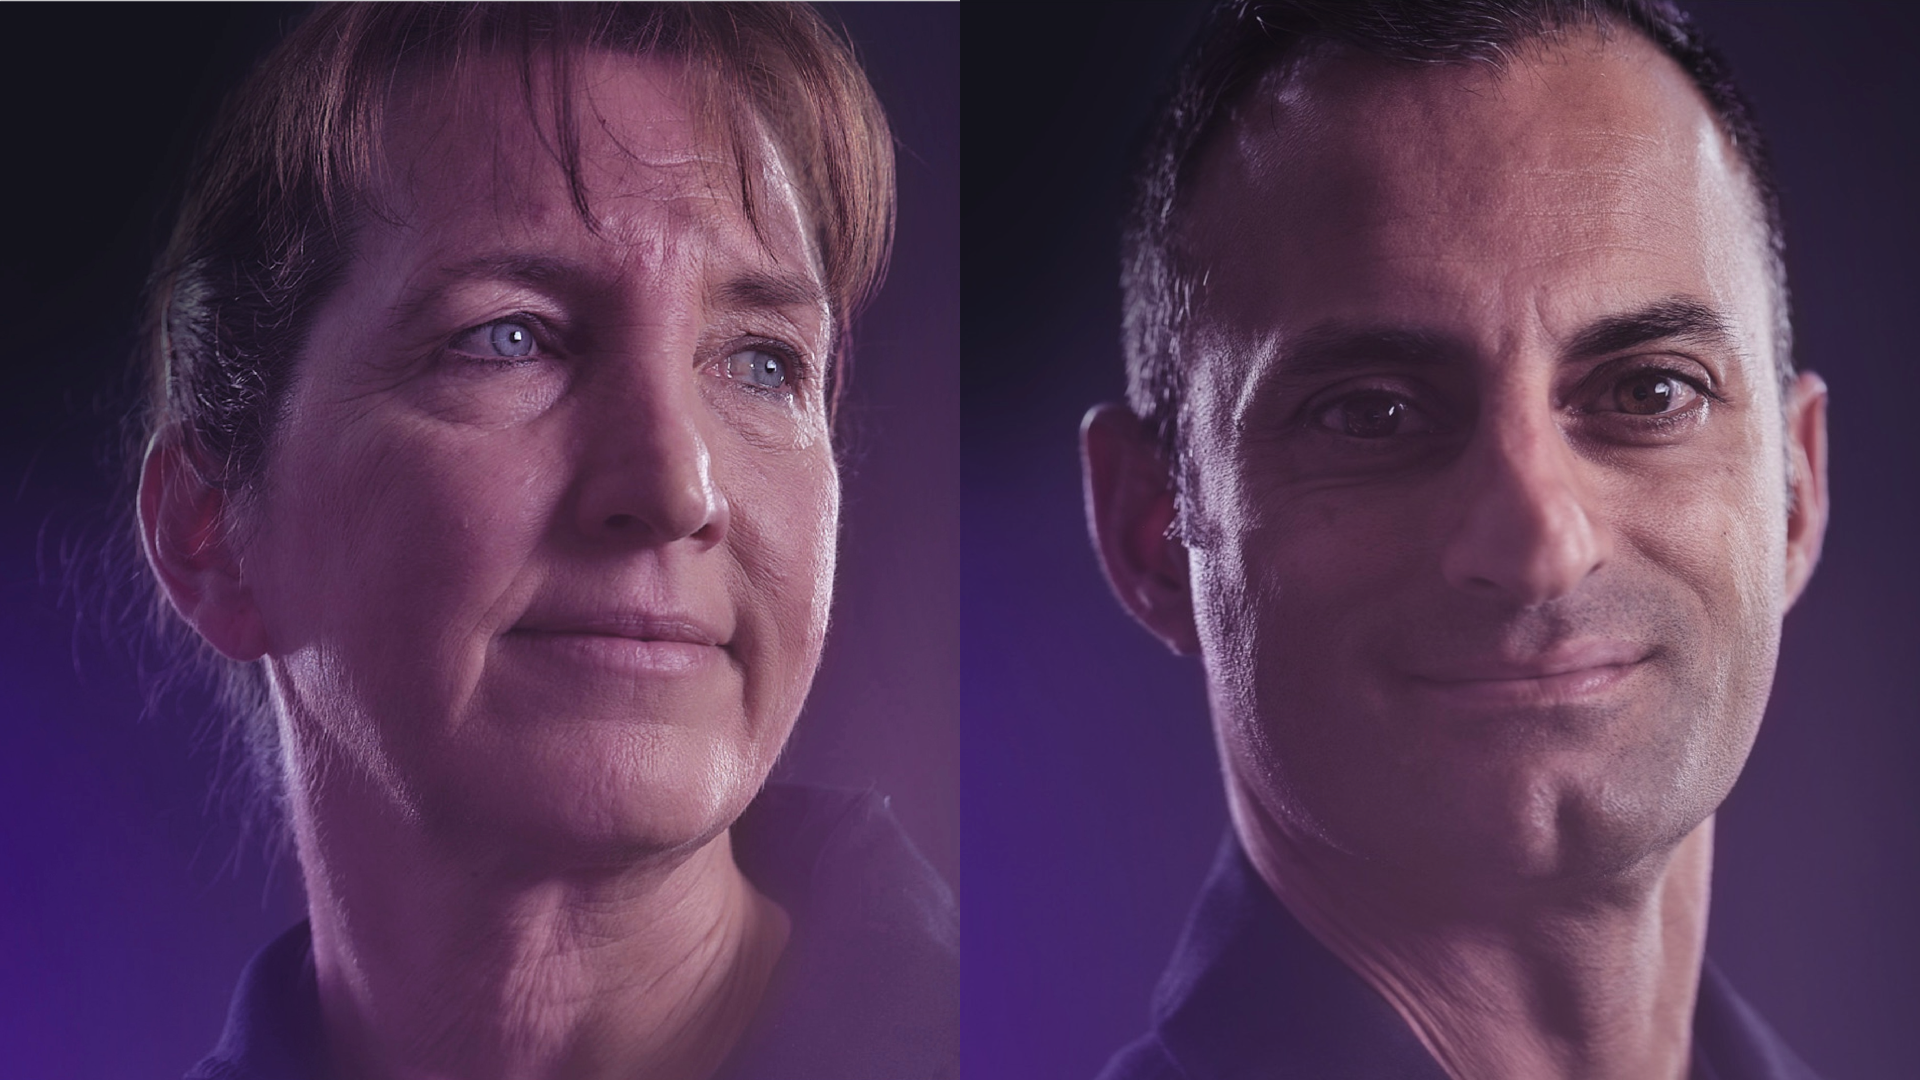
489	443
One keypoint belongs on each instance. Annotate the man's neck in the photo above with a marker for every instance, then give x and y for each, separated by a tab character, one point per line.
1591	987
429	966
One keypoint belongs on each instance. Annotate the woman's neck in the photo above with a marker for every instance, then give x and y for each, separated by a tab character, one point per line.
431	966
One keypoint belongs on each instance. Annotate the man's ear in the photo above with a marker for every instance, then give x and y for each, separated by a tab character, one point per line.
1130	509
183	530
1806	409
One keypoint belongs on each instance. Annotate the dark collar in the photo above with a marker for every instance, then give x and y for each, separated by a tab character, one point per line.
1250	993
868	989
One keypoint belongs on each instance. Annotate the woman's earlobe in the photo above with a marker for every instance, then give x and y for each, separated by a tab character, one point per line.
184	534
1131	509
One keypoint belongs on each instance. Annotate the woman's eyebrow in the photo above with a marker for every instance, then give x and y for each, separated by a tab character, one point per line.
767	289
749	290
538	271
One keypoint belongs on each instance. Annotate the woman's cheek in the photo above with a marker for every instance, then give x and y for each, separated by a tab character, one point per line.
785	524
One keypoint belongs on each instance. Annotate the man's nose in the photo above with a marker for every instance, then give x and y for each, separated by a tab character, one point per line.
1529	528
647	473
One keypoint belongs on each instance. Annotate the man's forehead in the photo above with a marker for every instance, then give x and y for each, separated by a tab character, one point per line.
1342	178
1337	115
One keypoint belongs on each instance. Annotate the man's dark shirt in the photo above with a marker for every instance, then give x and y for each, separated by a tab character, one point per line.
868	988
1251	994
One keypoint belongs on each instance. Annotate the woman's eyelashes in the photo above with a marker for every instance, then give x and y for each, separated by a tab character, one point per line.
511	340
767	367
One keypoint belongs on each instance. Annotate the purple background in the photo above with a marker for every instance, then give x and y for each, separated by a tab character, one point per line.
127	901
1092	792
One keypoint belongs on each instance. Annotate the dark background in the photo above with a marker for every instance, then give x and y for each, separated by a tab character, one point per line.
1093	801
128	899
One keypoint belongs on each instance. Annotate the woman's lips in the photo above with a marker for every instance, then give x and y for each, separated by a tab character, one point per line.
635	642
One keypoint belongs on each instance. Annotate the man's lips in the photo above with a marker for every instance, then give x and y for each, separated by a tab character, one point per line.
1563	674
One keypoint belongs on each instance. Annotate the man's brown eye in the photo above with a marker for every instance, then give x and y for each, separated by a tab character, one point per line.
1374	415
1651	393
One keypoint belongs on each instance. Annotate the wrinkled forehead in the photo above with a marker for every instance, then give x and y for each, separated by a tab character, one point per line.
621	150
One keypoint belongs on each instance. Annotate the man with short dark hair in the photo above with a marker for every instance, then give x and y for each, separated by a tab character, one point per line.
1465	448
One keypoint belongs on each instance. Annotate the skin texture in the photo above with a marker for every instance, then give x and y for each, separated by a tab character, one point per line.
1483	532
538	624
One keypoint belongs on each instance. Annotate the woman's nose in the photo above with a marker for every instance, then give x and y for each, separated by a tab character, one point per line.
1530	528
647	470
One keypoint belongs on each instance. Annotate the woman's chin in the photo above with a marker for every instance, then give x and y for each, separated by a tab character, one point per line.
596	794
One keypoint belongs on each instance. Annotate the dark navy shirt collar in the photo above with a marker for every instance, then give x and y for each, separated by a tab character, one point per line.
1251	994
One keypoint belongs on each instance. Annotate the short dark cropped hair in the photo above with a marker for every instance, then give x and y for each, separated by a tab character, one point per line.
288	172
1243	39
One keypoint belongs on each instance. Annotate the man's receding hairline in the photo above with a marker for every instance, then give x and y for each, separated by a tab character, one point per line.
1241	40
1295	70
1317	50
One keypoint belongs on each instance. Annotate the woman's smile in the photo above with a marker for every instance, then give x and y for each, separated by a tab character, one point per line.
627	642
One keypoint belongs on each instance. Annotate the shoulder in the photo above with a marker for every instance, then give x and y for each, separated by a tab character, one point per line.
273	1027
829	853
870	984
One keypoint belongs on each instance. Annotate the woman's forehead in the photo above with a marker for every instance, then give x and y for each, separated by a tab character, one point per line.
620	150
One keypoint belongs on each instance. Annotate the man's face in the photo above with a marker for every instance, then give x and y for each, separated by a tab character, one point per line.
547	540
1485	487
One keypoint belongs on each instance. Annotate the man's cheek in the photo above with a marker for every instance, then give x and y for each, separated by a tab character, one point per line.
1269	613
1722	546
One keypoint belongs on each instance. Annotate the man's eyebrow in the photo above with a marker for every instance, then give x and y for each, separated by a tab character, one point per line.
770	289
1676	318
1337	347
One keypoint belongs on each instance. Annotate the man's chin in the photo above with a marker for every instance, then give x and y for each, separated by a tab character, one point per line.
1543	823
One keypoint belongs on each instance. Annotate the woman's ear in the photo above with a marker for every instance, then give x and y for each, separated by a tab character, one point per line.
183	531
1130	512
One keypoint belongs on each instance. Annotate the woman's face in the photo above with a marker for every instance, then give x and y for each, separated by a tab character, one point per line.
546	543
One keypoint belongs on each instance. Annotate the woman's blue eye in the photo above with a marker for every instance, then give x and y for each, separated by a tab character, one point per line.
510	339
759	368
